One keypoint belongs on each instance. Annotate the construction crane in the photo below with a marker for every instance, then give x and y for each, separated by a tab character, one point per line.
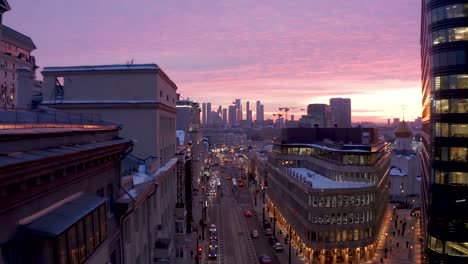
279	115
286	110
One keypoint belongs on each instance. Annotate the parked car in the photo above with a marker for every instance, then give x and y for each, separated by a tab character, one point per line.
278	247
266	224
264	259
255	233
272	240
229	178
269	232
248	213
241	184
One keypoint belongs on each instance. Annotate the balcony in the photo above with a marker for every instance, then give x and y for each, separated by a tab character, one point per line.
180	211
163	251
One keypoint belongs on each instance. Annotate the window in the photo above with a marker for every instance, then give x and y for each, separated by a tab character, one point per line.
89	235
81	240
62	249
457	57
72	245
448	35
458	154
456	248
458	178
110	198
103	222
96	228
100	192
160	93
447	12
333	202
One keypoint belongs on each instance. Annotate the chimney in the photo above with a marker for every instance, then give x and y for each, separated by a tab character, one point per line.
24	88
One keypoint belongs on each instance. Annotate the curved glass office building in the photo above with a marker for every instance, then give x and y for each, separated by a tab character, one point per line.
444	48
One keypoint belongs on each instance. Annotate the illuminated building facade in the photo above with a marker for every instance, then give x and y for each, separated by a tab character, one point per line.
329	185
444	43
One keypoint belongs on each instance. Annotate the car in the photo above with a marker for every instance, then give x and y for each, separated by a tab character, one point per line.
213	253
229	178
213	228
278	247
241	184
213	235
266	224
402	206
269	232
213	243
272	240
248	213
255	233
264	259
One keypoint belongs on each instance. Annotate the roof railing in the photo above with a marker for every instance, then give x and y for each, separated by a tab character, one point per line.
17	119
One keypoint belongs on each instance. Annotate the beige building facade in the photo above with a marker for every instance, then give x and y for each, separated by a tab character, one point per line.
15	53
142	99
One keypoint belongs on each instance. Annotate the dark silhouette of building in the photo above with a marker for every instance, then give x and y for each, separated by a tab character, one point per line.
444	46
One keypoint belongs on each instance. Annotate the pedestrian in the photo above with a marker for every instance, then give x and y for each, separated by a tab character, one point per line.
398	231
397	244
393	233
407	244
386	250
381	260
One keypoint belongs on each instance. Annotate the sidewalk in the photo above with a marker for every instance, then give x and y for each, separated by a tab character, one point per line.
283	256
395	241
191	238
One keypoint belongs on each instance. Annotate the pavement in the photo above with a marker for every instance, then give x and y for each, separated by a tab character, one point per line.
391	235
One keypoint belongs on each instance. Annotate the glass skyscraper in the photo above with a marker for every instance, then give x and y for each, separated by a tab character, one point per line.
444	43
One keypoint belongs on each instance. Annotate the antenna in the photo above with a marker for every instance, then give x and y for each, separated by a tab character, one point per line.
130	62
403	108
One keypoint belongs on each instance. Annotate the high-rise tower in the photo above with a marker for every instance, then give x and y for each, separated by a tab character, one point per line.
340	109
444	44
204	113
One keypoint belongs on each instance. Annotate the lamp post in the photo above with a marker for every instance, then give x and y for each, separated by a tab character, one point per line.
290	240
274	221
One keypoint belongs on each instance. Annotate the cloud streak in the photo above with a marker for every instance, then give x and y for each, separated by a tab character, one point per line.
280	52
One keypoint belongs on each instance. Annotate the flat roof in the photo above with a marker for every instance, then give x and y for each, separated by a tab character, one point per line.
27	156
318	181
111	67
60	219
326	147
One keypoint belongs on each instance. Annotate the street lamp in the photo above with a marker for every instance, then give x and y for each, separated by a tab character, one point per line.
274	221
290	240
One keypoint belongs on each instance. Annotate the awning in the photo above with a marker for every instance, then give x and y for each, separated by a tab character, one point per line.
59	220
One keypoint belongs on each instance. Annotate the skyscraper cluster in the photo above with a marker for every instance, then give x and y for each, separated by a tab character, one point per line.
233	115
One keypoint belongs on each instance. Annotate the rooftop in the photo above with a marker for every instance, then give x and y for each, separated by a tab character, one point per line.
20	37
317	181
112	67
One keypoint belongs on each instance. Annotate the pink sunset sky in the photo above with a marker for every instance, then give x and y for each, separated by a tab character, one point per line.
284	53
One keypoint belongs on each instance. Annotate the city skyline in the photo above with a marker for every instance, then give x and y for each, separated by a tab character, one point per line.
259	60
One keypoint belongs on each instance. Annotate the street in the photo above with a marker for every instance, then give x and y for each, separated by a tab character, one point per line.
226	210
